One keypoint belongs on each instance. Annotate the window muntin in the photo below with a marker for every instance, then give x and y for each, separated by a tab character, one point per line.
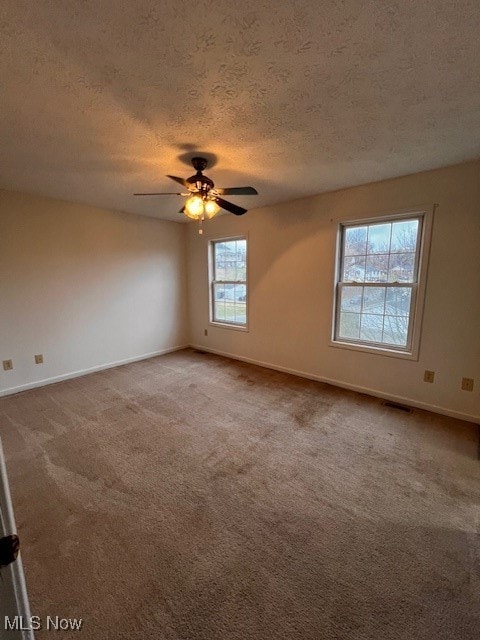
229	281
377	282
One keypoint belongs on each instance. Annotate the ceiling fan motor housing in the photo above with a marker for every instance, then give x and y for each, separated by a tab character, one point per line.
201	182
199	164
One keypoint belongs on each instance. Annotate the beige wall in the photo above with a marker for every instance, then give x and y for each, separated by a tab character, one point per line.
291	271
85	287
88	288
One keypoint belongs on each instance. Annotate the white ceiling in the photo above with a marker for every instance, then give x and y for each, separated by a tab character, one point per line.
102	98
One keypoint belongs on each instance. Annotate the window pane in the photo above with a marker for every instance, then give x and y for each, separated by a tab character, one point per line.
230	260
395	330
240	303
398	301
354	269
241	250
402	267
349	325
404	236
374	300
240	293
225	260
219	292
241	271
220	311
240	314
351	299
229	311
219	256
371	327
355	241
229	303
219	301
379	238
229	298
376	258
376	269
241	258
229	292
230	269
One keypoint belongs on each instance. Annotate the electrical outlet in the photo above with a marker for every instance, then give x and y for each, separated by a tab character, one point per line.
206	332
8	365
467	384
39	359
429	376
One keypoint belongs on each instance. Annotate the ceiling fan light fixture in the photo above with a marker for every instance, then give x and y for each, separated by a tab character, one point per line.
204	201
211	209
194	207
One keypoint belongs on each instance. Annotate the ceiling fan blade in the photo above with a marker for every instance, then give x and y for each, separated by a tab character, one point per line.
236	191
180	181
164	193
229	206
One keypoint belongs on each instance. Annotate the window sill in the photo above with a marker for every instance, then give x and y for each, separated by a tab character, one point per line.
381	351
226	325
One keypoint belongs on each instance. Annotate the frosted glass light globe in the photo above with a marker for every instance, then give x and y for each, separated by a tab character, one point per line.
194	207
211	208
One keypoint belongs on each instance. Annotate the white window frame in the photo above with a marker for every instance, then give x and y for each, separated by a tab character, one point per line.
236	326
411	352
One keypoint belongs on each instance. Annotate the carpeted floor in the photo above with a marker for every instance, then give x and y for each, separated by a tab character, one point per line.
191	497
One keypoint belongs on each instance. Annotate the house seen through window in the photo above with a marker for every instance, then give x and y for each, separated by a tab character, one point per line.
377	282
228	275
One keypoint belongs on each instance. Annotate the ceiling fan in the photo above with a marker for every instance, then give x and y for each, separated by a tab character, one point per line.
203	198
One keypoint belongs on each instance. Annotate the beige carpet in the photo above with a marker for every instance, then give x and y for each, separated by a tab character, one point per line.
193	497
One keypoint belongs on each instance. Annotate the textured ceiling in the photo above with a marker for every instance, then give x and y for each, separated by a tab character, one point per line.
102	98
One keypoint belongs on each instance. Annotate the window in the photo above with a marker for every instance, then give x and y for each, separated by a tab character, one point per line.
228	271
377	291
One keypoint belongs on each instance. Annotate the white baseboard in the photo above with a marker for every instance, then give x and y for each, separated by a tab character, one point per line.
302	374
83	372
346	385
